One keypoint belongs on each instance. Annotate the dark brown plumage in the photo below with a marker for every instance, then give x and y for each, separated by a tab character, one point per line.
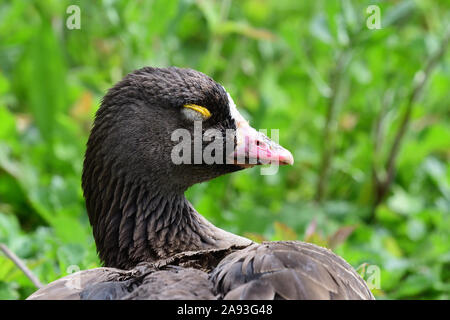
153	243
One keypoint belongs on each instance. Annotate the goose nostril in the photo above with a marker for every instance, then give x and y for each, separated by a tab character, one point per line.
261	145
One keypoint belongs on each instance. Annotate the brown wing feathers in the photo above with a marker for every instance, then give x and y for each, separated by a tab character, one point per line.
287	270
274	270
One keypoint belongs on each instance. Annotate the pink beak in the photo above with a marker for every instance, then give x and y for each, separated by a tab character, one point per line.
254	148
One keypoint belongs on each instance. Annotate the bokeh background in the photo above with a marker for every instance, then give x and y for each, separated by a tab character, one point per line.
365	113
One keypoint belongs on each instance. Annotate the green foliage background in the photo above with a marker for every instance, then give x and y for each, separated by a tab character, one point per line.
287	64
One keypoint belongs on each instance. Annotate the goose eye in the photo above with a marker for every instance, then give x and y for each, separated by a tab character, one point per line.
195	112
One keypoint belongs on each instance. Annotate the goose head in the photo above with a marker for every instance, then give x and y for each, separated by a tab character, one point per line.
157	132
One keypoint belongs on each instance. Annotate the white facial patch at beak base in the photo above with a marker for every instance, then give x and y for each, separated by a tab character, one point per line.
237	117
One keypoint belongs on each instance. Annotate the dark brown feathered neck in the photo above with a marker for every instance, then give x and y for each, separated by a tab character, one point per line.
134	222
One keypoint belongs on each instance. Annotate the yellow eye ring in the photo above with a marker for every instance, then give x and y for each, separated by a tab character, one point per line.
202	110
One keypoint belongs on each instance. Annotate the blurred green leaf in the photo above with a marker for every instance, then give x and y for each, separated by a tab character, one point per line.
319	28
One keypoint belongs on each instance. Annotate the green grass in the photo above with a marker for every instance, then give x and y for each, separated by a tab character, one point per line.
336	90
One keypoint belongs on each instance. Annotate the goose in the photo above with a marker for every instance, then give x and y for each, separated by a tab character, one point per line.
151	241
